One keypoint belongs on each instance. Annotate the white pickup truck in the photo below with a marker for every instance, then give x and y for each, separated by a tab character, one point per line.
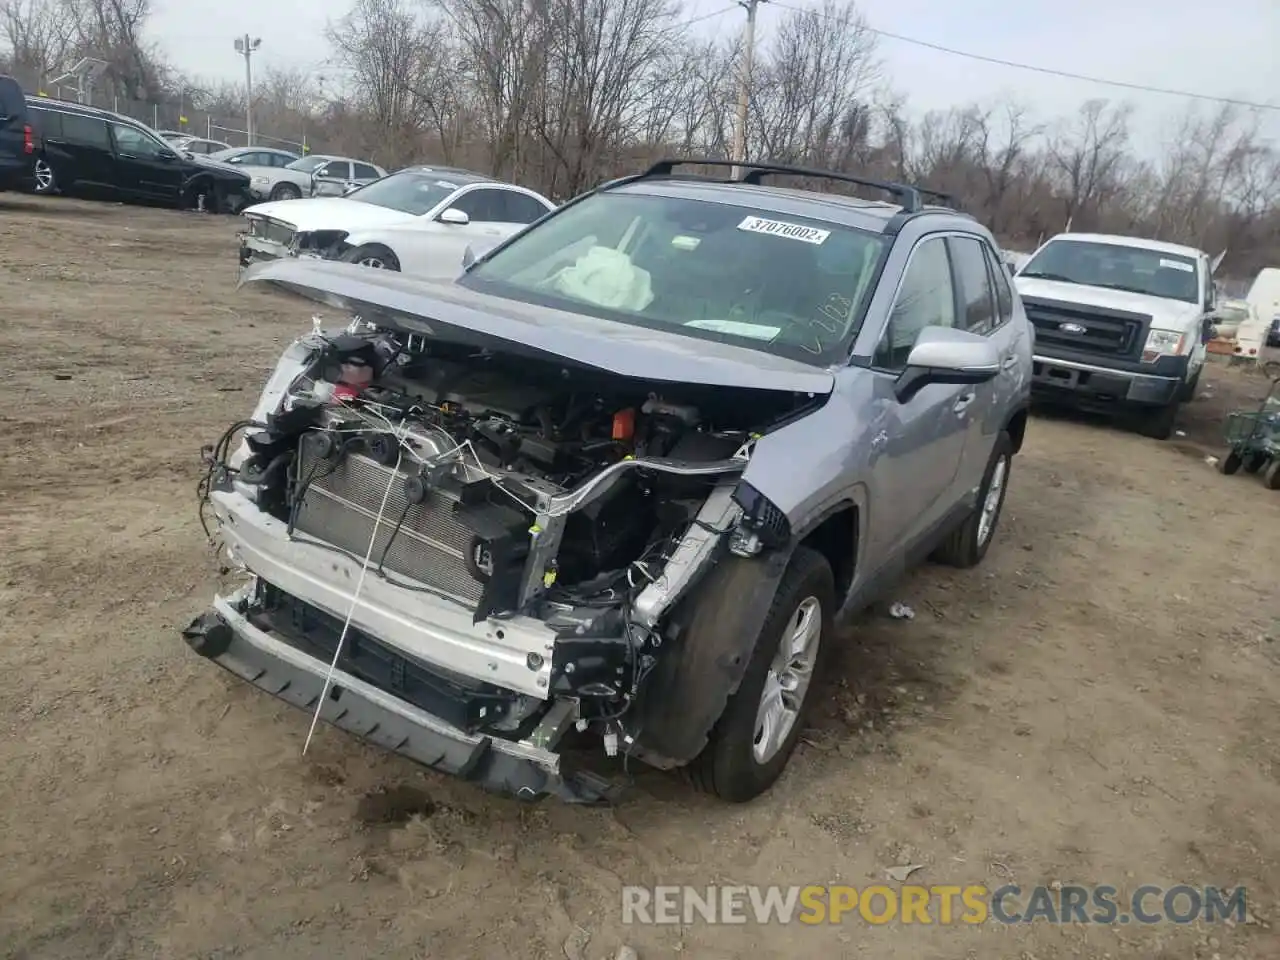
1120	323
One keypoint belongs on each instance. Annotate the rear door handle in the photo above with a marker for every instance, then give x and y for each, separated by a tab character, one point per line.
963	403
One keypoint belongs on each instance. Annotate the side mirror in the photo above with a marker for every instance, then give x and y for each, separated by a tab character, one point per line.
455	216
166	156
946	355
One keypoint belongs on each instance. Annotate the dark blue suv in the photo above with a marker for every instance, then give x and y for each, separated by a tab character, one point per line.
17	144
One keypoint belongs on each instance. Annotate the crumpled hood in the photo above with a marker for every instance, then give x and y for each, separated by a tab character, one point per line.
1165	314
330	213
448	311
218	165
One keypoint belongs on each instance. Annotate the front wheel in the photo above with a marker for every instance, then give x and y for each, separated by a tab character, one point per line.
46	179
285	191
761	723
1187	392
1158	423
372	255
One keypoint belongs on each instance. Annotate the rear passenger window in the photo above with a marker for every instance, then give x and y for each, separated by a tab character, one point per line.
89	131
366	172
977	305
926	298
1004	294
13	103
521	208
47	123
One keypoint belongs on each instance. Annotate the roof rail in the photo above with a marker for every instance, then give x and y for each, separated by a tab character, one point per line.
909	197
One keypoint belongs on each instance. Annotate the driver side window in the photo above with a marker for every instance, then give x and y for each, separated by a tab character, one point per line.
926	298
135	143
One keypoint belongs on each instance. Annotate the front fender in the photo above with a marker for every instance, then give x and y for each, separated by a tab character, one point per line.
700	667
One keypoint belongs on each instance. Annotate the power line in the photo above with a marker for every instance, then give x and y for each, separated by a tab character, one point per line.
1144	88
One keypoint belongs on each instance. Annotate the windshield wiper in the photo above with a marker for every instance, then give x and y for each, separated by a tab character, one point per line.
1047	276
1139	290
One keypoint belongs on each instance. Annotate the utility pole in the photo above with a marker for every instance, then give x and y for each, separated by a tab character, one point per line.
246	46
744	84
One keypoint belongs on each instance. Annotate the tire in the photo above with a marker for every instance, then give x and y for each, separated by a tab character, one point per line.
46	177
1188	391
966	546
1255	462
285	191
733	766
373	255
1158	423
1230	464
1271	479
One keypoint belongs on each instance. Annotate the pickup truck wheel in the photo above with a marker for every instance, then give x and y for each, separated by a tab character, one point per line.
968	543
1158	423
1188	391
372	255
757	733
285	191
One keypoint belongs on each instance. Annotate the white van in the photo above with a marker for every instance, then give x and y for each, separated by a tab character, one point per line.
1264	297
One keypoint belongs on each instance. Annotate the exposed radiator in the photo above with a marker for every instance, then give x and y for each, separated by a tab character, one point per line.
341	504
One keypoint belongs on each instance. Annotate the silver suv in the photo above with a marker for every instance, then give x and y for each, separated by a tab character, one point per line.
621	480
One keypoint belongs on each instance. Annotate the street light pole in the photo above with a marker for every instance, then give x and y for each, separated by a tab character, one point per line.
245	46
744	84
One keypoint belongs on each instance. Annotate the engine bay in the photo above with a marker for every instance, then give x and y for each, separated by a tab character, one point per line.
508	485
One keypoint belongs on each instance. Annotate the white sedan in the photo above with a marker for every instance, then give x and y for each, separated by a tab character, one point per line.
419	220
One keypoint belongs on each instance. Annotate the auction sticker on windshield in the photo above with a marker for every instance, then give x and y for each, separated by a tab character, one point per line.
779	228
1177	265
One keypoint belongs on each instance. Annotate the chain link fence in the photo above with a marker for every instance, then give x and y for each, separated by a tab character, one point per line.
175	116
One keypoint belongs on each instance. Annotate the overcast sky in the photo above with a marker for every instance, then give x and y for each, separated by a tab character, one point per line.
1227	48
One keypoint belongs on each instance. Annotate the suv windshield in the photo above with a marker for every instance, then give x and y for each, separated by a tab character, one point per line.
306	164
779	283
1118	267
407	192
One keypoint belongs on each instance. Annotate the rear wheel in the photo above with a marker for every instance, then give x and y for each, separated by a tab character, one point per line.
761	723
1272	477
285	191
46	179
372	255
967	544
1254	462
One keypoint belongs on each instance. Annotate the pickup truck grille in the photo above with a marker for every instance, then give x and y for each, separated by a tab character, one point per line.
1087	330
341	502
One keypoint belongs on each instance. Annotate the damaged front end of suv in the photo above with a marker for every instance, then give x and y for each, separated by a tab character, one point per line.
469	547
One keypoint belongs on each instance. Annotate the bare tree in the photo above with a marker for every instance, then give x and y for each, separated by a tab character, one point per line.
1089	155
37	37
806	96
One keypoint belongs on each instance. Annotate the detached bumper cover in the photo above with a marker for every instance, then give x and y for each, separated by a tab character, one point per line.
1094	385
226	637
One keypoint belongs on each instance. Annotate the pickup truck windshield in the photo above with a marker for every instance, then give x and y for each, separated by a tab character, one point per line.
1118	267
779	283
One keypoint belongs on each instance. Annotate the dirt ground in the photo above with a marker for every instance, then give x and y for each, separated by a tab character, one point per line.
1096	704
